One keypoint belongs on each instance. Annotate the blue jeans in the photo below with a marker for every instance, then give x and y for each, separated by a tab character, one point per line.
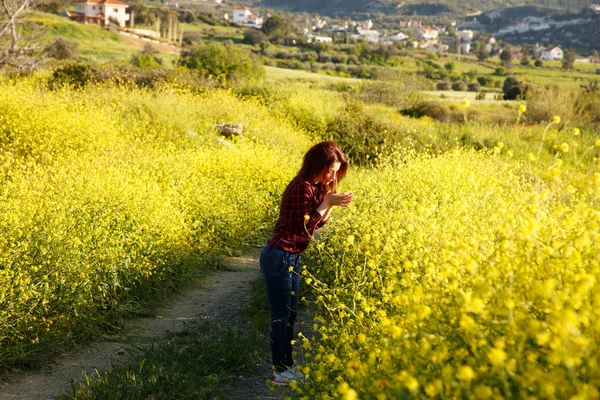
283	287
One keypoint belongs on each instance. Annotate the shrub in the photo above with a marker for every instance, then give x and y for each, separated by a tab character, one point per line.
75	75
487	81
513	88
459	86
474	87
538	63
252	36
427	108
500	71
62	49
224	63
444	85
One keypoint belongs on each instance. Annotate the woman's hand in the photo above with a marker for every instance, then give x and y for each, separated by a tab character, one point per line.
338	199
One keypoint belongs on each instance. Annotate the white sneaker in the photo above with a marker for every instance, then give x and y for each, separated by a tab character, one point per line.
297	375
282	378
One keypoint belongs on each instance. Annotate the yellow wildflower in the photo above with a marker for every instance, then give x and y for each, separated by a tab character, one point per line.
564	147
466	103
556	119
465	373
522	108
576	131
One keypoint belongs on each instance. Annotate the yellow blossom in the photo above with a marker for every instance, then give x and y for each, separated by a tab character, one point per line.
522	108
466	103
465	373
556	119
564	147
576	131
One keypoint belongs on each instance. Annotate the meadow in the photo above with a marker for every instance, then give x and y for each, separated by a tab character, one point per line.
467	266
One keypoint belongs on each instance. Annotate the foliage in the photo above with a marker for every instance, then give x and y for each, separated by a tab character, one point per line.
252	36
62	49
464	275
513	88
459	86
431	109
569	58
224	63
103	217
506	57
277	28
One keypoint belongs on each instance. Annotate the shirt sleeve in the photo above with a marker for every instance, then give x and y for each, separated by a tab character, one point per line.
306	203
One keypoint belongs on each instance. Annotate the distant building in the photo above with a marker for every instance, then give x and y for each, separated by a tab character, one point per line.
366	25
427	33
466	35
465	48
243	16
552	53
413	23
99	12
394	38
318	39
368	35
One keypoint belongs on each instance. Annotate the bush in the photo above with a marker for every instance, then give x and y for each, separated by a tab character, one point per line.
75	75
252	36
427	108
513	89
459	86
474	87
500	71
486	81
538	63
444	85
224	63
62	49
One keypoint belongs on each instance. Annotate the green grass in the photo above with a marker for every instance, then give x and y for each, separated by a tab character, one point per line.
95	43
288	75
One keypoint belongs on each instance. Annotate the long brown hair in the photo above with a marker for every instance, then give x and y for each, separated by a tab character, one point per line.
320	157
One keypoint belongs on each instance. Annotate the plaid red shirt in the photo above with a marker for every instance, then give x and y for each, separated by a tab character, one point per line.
300	198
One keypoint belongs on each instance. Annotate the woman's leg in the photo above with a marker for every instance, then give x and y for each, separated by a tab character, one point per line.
278	279
289	331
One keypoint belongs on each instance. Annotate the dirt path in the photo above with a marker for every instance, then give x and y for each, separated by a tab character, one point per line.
212	300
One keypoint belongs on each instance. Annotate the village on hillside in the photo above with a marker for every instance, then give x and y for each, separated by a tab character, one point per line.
457	37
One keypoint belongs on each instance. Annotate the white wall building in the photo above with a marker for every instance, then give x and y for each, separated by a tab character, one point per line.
552	53
99	12
243	16
394	38
465	35
427	33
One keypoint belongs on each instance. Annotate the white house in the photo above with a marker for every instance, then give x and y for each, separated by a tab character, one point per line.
368	35
552	53
99	12
394	38
243	16
366	25
427	33
465	48
466	35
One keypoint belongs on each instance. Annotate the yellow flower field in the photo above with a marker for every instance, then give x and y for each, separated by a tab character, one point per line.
459	276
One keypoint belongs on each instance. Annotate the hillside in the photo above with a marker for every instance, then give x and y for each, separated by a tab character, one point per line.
578	30
339	8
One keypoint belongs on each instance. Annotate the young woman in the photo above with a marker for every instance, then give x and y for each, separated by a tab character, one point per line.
306	206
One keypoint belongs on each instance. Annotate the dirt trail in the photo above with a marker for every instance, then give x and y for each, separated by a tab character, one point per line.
212	300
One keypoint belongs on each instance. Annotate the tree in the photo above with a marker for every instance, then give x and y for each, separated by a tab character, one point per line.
569	59
526	51
277	28
19	50
506	57
514	89
225	63
482	52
